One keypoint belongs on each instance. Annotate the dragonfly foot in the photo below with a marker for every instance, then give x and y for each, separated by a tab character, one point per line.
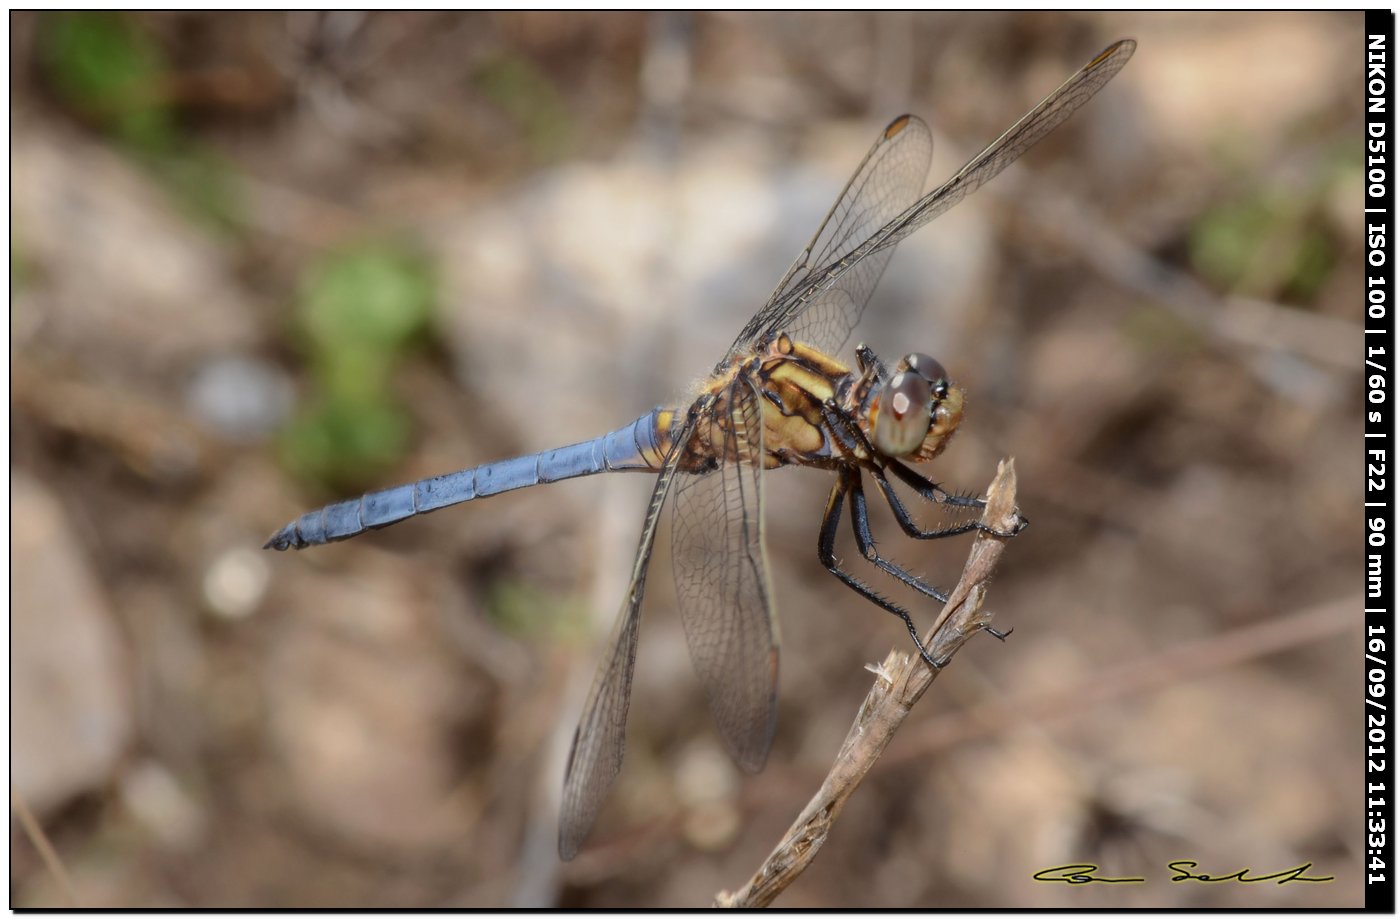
997	633
929	659
1021	523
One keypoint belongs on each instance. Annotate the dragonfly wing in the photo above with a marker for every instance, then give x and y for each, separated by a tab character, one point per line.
887	181
820	301
722	583
1016	140
596	754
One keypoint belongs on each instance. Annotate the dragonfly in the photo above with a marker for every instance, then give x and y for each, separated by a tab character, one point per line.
781	396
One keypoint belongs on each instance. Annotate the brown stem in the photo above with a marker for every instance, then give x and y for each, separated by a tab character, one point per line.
41	843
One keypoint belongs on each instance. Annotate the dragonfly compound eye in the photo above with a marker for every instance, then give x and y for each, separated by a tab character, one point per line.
904	414
930	369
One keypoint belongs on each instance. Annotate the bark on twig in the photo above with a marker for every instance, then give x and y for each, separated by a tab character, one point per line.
901	679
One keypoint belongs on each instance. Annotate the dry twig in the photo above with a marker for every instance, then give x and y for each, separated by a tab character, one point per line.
40	839
901	680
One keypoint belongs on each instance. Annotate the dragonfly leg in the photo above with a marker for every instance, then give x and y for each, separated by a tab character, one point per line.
931	491
860	524
844	428
826	551
867	360
998	634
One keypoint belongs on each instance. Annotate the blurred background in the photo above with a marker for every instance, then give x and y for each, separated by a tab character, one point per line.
263	261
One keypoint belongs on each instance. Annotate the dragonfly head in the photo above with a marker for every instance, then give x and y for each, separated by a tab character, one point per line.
917	410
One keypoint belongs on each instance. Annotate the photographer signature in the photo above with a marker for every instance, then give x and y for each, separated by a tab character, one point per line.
1184	870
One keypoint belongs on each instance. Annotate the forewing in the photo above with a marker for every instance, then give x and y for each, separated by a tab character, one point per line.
722	584
825	291
596	754
887	181
1016	140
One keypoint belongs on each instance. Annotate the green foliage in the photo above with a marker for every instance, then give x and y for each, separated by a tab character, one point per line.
112	74
528	97
19	265
360	311
375	298
1157	329
109	71
205	186
1273	243
1268	245
520	609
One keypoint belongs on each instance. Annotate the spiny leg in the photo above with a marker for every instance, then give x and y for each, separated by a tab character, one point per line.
906	520
844	428
854	440
932	492
826	552
860	525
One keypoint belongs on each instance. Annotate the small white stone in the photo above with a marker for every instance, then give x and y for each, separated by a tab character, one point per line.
156	799
236	582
